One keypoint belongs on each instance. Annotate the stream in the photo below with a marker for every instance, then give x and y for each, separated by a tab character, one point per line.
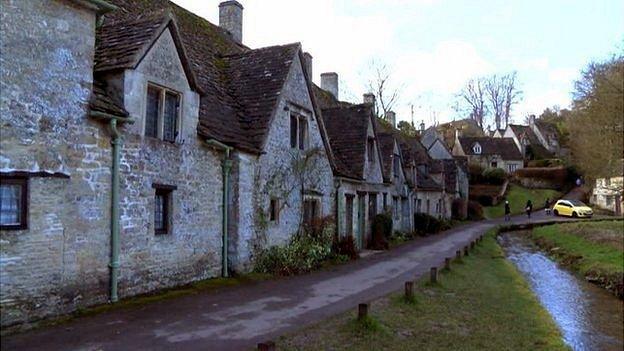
589	317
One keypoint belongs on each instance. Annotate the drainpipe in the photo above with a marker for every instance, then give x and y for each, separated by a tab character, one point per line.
226	167
338	219
116	142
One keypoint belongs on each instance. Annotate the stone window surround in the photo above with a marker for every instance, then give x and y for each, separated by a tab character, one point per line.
167	192
23	210
161	109
301	114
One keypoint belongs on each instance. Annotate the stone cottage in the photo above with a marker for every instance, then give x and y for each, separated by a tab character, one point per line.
489	152
457	176
527	142
608	192
144	147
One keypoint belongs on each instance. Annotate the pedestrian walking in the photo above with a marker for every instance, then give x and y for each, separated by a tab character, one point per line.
547	206
507	211
529	208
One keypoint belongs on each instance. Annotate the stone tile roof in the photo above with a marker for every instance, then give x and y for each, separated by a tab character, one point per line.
504	147
521	131
101	101
386	145
239	86
326	100
347	129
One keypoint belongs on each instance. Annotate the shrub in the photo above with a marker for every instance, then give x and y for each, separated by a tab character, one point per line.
475	211
425	224
459	209
495	176
306	251
485	200
345	246
549	162
475	173
382	230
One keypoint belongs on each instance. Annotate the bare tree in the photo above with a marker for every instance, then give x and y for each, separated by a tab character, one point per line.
502	94
386	90
472	100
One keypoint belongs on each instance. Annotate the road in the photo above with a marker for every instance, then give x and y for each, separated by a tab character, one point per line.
239	317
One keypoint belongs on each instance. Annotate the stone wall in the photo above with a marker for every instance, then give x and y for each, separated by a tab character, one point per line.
60	261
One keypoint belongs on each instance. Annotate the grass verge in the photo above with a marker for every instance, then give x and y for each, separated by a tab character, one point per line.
594	249
518	197
483	303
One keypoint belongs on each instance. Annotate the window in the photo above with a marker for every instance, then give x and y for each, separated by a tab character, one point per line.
418	205
395	207
476	148
609	200
512	167
349	214
162	208
303	133
371	149
310	211
607	181
274	210
385	201
13	203
162	113
428	206
298	131
494	164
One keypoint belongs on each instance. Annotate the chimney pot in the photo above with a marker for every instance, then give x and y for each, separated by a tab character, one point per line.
231	19
329	83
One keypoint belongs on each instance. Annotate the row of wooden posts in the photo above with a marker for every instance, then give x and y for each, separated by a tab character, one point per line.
409	288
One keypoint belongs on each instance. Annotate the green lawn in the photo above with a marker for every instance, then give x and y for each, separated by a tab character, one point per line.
517	197
483	303
592	248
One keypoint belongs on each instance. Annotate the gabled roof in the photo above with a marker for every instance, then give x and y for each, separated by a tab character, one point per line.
386	145
347	129
239	86
123	44
504	147
525	132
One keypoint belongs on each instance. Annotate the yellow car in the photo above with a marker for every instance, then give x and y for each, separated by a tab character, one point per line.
572	208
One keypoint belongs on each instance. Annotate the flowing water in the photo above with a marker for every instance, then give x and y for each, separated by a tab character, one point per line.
588	316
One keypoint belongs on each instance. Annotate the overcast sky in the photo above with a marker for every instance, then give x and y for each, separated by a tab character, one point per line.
434	46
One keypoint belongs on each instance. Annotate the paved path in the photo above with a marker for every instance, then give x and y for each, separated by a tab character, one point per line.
239	317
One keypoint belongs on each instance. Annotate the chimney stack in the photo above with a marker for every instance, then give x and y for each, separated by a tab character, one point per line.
422	126
329	83
531	120
369	98
307	63
231	19
391	117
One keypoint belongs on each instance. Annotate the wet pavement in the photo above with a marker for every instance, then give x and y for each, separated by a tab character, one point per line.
589	317
239	317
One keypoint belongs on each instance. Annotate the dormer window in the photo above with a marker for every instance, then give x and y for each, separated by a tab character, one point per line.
162	113
371	149
396	165
476	148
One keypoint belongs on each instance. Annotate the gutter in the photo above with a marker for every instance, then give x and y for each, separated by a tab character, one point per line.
226	167
116	142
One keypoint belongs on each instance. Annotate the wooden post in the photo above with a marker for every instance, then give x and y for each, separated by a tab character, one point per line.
409	290
447	263
458	254
266	346
465	250
434	275
362	311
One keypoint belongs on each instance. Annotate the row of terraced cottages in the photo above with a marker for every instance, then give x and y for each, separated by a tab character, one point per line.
144	147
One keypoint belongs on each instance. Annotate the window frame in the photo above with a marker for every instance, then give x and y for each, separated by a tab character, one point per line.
274	210
166	191
370	149
23	183
160	119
